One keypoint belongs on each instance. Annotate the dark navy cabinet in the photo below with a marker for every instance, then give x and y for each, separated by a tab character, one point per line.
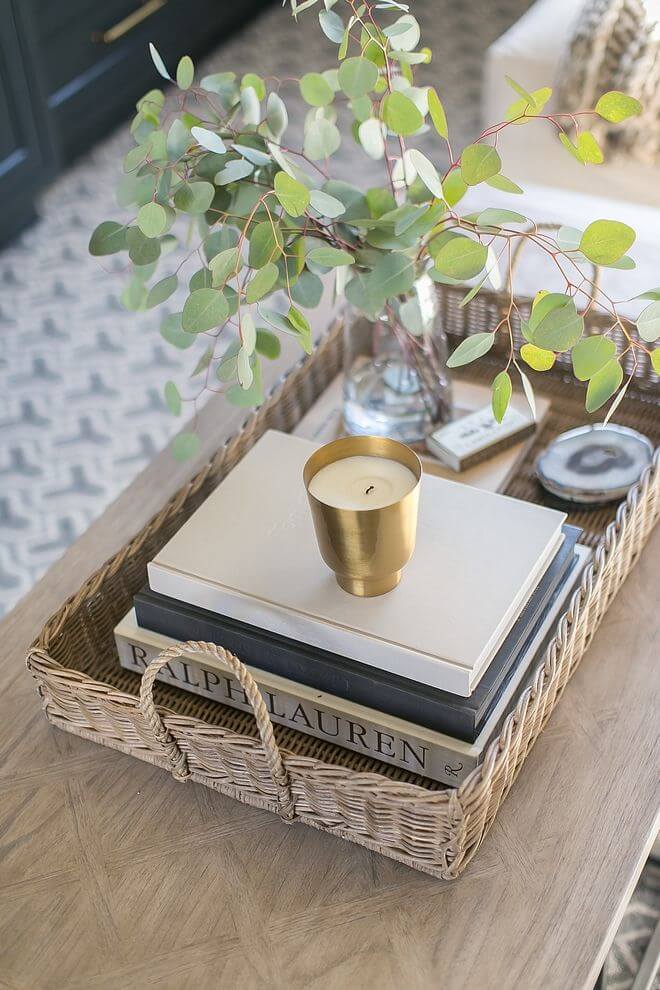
71	70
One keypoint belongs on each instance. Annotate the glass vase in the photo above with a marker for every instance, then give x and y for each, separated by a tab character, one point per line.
396	382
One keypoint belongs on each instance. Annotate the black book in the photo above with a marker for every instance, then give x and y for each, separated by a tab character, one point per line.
439	710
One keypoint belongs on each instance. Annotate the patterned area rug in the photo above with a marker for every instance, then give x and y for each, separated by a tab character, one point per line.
81	408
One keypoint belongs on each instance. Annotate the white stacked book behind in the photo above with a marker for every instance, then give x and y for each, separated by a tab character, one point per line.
249	552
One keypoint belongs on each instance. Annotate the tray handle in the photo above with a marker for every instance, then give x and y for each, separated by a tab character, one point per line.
178	760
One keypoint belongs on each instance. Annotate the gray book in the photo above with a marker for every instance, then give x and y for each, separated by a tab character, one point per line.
249	553
355	727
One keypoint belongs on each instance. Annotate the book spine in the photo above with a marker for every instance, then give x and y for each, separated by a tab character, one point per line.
311	713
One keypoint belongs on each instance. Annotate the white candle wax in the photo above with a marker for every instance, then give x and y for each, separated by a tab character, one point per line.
362	482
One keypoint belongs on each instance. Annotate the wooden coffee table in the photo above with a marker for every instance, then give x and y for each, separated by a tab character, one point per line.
114	876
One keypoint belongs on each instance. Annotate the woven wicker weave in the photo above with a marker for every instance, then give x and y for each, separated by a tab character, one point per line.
429	827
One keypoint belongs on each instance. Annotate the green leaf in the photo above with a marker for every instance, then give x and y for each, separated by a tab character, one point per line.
648	323
265	244
248	332
307	291
655	360
543	303
437	113
502	389
158	62
473	347
505	185
615	107
357	76
327	206
330	257
558	330
246	398
322	139
162	290
233	171
605	241
225	265
393	275
268	344
400	114
185	72
194	197
250	106
172	332
453	187
208	139
590	355
496	218
332	25
372	137
152	219
201	279
516	87
478	163
426	171
537	357
172	398
185	446
291	194
603	385
141	250
262	283
461	258
179	139
588	149
204	309
253	155
203	362
252	81
108	238
277	118
316	90
403	34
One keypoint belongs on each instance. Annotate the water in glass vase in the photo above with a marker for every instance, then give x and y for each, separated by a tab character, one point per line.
396	382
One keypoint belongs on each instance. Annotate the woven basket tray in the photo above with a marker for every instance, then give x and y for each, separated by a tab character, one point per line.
413	820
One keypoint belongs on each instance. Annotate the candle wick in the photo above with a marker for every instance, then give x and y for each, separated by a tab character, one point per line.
369	489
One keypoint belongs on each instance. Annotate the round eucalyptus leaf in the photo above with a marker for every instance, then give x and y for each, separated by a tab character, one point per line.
605	241
357	76
332	25
204	309
152	219
172	331
108	238
291	194
330	257
537	358
603	385
172	398
427	171
501	397
233	171
277	117
590	355
461	258
400	114
194	197
315	90
403	34
372	137
322	139
162	290
648	323
268	345
265	244
185	72
326	205
262	283
179	139
437	113
615	107
141	250
208	139
473	347
307	290
478	163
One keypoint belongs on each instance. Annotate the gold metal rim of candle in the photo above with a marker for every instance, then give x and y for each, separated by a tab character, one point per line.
366	548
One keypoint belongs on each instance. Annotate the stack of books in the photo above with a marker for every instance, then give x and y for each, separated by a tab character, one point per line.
421	678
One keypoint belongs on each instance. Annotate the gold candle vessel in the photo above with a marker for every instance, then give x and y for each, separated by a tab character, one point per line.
364	496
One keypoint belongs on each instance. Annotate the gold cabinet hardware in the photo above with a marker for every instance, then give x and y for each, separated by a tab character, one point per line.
122	27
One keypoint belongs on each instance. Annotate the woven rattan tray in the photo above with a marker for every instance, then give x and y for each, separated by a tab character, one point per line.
427	826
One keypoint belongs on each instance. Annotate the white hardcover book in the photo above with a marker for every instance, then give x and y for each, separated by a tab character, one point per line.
249	552
355	727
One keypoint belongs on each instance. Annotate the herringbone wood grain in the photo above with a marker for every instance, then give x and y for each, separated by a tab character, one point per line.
114	876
